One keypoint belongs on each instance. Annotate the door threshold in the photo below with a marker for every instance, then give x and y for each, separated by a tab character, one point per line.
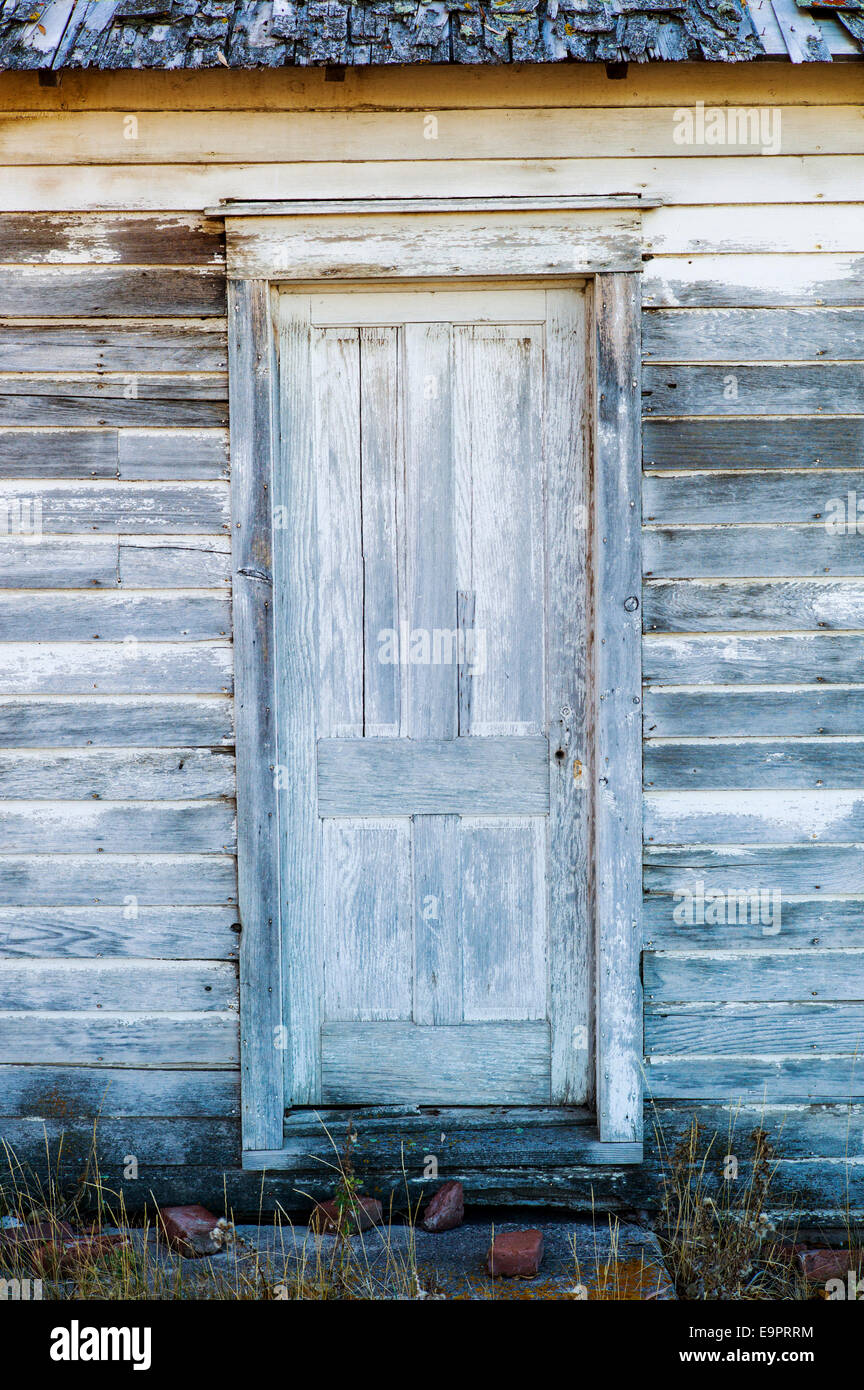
422	1142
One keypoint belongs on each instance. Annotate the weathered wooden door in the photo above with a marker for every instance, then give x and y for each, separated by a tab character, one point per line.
431	643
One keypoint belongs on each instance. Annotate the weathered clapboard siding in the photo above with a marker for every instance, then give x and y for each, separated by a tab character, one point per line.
118	916
752	615
160	721
112	453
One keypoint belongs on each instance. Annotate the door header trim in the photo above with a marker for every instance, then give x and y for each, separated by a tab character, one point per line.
453	239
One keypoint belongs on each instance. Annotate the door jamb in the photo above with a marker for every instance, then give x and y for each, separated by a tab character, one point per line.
615	419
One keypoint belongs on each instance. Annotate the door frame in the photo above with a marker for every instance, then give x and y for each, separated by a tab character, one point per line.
541	239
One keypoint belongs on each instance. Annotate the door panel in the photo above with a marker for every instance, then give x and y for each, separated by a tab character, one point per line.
437	947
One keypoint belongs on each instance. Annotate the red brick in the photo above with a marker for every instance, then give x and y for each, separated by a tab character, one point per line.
53	1248
515	1253
819	1265
191	1230
446	1209
363	1213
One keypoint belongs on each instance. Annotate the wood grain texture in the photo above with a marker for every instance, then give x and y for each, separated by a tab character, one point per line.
139	508
155	345
116	668
83	1092
757	498
127	774
166	933
30	238
810	709
746	605
117	986
618	706
763	551
567	699
751	335
495	776
754	442
81	879
763	1029
106	291
778	976
71	827
169	454
472	1063
250	347
770	659
296	559
178	615
93	1038
794	388
773	281
754	817
38	453
795	763
811	870
159	721
805	924
431	245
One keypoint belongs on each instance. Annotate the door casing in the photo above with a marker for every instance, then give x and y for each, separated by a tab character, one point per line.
361	243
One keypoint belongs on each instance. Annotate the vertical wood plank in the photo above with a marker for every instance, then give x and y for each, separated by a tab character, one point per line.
432	693
571	978
337	474
504	918
251	387
296	609
498	381
617	684
380	454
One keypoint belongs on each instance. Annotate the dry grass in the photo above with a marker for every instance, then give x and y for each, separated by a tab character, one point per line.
716	1229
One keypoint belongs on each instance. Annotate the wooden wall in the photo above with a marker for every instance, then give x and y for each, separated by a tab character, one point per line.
115	706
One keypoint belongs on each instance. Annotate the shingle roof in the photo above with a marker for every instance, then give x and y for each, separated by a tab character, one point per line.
274	33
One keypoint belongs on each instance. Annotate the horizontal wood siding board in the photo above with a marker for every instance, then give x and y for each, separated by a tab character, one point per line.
67	1092
164	933
793	388
712	498
139	508
180	1143
191	563
732	1079
783	975
805	925
168	453
479	776
763	1029
116	668
168	401
76	137
114	617
819	180
768	763
754	442
112	239
80	879
754	817
806	551
796	1131
72	827
773	281
41	453
806	870
692	605
157	721
129	774
752	660
152	346
105	291
65	564
117	986
729	711
96	1038
397	1062
752	335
